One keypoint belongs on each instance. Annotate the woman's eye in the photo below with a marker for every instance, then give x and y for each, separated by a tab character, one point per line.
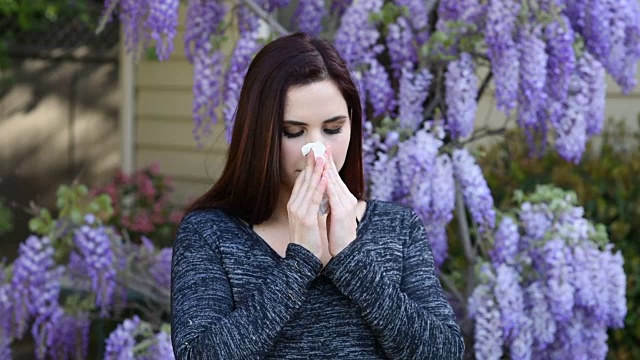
292	135
333	131
289	134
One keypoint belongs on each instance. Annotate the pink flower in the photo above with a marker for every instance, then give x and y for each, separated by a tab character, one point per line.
157	216
112	191
121	177
125	222
146	188
142	223
175	216
168	182
154	168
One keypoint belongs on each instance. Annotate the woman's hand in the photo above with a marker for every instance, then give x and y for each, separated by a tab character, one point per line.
341	224
303	205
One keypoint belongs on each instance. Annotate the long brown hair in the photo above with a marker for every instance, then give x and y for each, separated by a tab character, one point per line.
250	182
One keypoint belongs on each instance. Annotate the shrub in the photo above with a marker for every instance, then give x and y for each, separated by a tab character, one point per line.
141	204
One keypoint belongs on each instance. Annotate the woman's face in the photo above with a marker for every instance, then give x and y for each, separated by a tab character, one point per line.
316	112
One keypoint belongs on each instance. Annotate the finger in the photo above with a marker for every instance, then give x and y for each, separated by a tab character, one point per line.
316	195
308	172
310	163
314	183
298	184
343	187
331	189
332	166
336	202
335	180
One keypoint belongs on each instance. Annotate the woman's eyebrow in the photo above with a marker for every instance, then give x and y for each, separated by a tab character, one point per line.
330	120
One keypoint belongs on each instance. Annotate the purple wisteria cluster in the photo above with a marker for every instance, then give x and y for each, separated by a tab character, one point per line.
5	320
412	93
97	261
475	190
417	173
161	348
131	332
96	270
419	16
461	91
203	21
403	49
308	16
158	263
501	22
246	47
549	68
120	343
35	284
147	20
533	71
59	335
551	286
356	37
31	298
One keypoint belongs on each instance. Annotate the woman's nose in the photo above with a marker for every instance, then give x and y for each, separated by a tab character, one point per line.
315	136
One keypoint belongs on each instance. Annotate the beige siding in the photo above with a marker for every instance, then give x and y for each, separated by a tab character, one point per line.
177	74
176	133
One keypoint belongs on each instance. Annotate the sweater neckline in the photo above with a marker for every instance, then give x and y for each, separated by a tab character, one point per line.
248	228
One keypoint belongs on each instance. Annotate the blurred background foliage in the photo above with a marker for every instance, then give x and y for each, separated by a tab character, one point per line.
19	16
6	218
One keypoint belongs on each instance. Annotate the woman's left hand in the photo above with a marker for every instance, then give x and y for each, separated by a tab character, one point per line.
341	223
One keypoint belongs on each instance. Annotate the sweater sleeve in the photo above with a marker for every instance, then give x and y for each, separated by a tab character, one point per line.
412	320
205	322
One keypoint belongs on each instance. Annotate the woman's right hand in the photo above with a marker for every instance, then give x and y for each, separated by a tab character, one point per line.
304	203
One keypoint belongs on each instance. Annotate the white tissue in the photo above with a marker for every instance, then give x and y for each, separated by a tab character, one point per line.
318	151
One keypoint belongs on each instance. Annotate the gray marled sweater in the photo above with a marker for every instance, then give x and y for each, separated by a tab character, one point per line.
234	297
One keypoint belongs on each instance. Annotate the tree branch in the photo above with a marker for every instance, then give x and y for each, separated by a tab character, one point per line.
484	85
486	131
106	16
451	287
258	10
429	5
437	97
463	226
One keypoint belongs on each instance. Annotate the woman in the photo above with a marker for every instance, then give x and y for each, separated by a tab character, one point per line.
259	273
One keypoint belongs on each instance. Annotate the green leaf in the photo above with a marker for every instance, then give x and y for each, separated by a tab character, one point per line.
36	225
93	208
438	37
46	215
76	216
151	54
166	328
375	17
104	201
